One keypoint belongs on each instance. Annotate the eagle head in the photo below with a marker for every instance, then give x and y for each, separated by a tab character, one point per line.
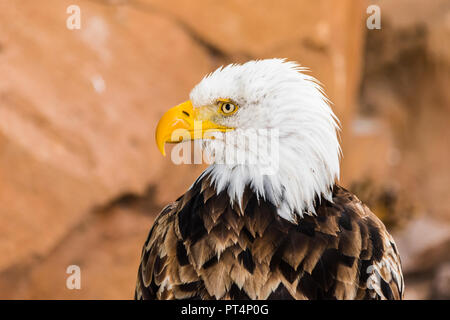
263	124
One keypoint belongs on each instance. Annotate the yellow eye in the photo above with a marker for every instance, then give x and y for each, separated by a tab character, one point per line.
227	107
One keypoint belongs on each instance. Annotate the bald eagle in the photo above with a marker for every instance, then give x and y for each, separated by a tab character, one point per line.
244	232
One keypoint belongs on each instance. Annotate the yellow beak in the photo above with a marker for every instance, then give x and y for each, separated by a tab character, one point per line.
183	123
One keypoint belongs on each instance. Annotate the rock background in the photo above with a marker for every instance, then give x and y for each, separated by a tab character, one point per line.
80	176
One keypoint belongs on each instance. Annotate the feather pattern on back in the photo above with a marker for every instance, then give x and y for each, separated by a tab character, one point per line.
204	247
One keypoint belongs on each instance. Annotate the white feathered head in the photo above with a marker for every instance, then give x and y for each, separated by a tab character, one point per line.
261	115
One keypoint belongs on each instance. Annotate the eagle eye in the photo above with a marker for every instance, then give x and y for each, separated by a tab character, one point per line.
227	107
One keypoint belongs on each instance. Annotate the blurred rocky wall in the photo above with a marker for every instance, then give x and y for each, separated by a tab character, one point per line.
405	105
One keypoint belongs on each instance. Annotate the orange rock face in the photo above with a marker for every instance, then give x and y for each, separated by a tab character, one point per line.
78	112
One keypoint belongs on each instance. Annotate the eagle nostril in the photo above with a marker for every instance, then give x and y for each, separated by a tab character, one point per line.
184	112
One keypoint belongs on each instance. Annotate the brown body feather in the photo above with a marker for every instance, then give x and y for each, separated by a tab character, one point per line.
203	247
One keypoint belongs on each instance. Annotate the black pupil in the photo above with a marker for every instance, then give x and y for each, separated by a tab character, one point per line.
228	107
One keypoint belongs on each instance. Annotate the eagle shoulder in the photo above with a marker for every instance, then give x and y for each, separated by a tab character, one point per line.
204	247
152	267
380	274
